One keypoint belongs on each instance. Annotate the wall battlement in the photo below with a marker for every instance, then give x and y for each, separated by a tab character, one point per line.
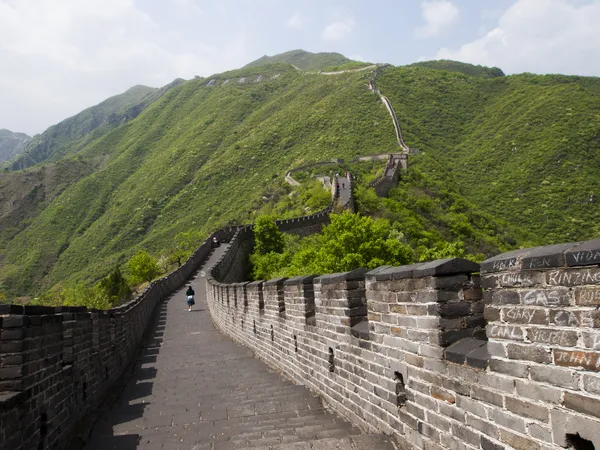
445	354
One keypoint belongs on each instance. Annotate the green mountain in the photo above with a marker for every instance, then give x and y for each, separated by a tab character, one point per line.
303	60
502	162
74	133
11	144
464	68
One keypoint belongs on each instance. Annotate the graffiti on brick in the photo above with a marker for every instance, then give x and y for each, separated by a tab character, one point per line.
510	279
586	256
573	277
504	332
519	314
546	298
504	264
552	337
569	358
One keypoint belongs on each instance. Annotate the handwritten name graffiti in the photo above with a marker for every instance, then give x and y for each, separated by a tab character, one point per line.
573	277
587	297
553	337
546	298
504	332
515	279
535	263
585	319
521	315
585	256
587	360
504	264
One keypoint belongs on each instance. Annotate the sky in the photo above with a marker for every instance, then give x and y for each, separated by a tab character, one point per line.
58	57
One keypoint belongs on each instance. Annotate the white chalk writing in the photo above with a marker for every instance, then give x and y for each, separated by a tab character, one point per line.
504	264
554	337
570	318
506	332
511	279
543	298
587	276
539	262
577	359
585	256
519	314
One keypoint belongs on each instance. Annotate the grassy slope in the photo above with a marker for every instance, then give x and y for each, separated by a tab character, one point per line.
522	148
303	60
72	134
197	158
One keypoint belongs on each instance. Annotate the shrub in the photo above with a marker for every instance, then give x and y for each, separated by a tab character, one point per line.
143	267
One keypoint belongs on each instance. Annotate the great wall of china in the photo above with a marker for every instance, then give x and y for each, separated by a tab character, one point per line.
447	354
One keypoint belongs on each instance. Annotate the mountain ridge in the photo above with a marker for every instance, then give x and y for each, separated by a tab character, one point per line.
208	152
11	144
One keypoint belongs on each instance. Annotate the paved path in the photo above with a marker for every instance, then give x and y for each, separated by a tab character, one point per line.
194	388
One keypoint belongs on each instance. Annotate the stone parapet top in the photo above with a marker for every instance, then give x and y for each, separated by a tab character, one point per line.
299	280
551	256
275	281
356	274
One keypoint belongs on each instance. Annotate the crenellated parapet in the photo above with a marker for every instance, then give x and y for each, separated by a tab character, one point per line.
444	354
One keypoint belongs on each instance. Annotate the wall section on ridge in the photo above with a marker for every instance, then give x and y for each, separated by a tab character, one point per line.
407	351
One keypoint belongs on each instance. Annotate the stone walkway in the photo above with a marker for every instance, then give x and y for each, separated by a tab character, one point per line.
194	388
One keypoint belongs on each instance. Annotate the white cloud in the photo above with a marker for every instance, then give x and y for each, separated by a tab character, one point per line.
542	36
338	30
61	57
296	22
357	58
438	15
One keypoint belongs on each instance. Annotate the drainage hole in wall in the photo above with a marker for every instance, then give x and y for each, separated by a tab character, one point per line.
576	442
272	334
331	360
242	324
296	343
254	326
400	389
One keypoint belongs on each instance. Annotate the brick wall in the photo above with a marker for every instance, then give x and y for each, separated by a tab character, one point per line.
425	354
58	364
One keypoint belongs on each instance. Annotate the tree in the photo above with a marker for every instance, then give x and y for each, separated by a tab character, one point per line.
352	241
267	237
115	287
143	267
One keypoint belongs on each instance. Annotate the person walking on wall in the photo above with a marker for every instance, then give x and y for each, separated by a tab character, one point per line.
189	294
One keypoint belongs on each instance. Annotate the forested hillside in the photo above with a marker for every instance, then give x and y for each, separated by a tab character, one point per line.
503	161
73	134
524	147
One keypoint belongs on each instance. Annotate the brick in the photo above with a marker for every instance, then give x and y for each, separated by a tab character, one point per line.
523	315
488	444
491	313
545	297
504	332
528	353
582	404
441	394
587	296
563	338
508	420
527	409
591	340
515	369
484	394
570	318
572	277
501	297
518	442
591	384
570	358
11	334
555	376
536	391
